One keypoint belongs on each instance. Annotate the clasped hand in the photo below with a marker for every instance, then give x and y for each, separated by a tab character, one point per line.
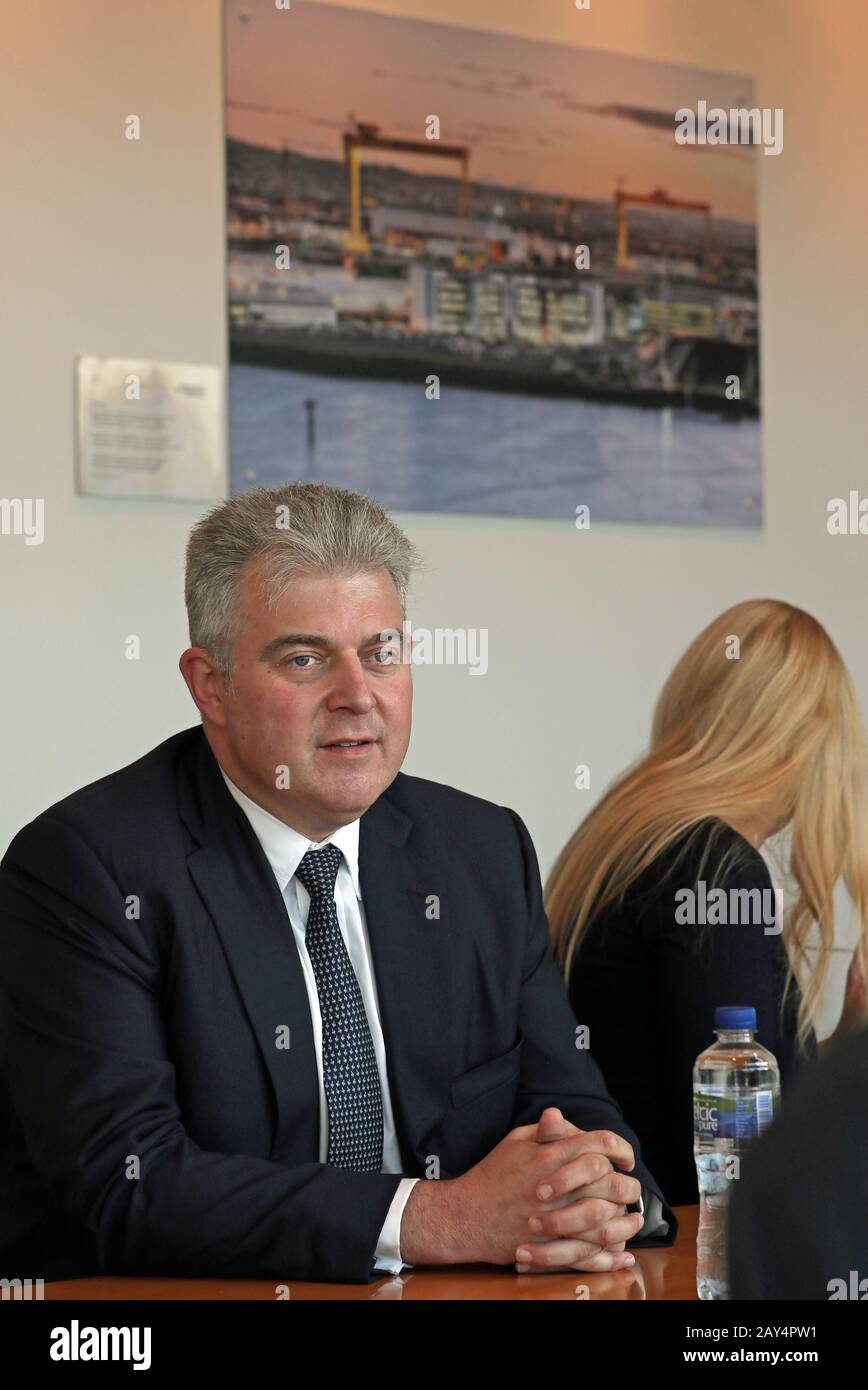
581	1222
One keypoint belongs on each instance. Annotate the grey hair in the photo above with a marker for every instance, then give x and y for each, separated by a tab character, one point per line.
301	528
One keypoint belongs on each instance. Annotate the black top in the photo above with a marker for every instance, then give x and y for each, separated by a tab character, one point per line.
799	1216
647	986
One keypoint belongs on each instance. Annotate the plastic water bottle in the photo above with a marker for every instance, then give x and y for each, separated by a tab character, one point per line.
736	1095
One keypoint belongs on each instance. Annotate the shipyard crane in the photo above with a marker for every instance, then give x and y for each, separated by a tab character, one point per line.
658	198
364	136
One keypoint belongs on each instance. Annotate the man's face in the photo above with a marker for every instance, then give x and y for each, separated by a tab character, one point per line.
308	675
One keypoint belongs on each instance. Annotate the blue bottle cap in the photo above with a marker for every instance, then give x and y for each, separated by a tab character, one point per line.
735	1016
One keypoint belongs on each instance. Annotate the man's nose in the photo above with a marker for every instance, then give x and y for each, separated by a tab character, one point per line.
350	689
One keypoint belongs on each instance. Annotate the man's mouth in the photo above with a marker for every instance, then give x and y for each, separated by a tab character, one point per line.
346	744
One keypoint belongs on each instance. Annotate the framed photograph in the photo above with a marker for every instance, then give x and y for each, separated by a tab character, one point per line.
475	273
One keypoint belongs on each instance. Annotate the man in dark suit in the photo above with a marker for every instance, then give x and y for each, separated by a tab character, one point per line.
256	985
799	1213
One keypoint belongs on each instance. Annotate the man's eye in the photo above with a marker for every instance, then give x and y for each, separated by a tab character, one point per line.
388	655
303	656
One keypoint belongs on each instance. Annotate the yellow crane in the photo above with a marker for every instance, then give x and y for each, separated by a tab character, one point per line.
661	199
365	136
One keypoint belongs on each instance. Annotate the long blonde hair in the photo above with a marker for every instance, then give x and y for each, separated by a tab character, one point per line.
758	720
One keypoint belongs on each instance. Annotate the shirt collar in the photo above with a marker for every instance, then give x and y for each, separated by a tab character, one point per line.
284	848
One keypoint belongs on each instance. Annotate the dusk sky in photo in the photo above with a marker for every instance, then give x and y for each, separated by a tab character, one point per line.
538	116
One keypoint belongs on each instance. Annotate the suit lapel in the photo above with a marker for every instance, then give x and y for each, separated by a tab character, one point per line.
403	887
238	887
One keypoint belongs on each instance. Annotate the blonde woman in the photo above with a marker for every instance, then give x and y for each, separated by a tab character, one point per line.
662	908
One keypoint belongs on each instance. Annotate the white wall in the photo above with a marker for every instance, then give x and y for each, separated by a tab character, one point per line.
115	247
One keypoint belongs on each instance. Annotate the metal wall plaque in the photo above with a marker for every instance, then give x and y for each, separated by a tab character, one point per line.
149	429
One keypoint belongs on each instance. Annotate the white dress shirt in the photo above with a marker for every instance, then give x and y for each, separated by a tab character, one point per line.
284	849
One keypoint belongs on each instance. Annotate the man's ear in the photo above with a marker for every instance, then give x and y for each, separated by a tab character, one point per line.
205	683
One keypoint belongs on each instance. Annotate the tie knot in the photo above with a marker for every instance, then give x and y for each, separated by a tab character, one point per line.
318	871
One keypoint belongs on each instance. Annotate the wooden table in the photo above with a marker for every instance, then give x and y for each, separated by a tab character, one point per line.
668	1273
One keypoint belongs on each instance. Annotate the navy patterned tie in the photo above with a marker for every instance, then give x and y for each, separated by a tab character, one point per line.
350	1076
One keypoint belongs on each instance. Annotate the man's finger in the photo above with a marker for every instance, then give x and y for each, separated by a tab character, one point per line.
602	1223
583	1171
595	1180
603	1141
553	1255
553	1124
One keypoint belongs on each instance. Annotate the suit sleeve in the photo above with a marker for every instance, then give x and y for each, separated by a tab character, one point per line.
93	1084
555	1071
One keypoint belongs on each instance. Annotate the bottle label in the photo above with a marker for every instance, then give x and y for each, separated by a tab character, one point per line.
742	1116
